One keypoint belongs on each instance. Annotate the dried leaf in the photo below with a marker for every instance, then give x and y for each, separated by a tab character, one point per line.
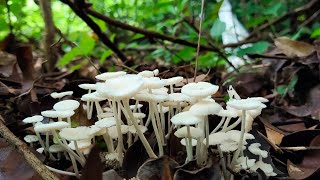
157	169
293	48
93	168
13	165
111	175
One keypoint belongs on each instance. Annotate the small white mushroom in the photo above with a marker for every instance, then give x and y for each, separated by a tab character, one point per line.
57	95
110	75
31	139
66	105
199	90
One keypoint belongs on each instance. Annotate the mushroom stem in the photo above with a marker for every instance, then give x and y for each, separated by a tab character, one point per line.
156	131
141	136
223	163
207	131
73	161
243	125
47	146
189	145
98	108
235	124
42	143
78	151
158	120
118	125
108	141
218	126
55	135
225	125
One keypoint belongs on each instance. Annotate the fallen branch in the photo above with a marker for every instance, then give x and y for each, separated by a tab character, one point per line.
32	160
284	17
78	7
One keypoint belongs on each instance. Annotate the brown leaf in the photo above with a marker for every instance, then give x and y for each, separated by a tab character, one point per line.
157	169
310	166
293	48
299	111
274	134
13	165
210	171
7	62
93	168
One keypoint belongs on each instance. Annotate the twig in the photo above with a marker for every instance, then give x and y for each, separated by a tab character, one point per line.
283	17
157	35
310	19
78	8
32	160
199	38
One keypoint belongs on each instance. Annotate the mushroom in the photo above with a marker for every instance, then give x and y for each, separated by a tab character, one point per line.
110	75
56	148
244	105
66	105
199	90
186	118
35	119
266	168
118	90
94	98
90	88
106	123
31	139
60	95
171	81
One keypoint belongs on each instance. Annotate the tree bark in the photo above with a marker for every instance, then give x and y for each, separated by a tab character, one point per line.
49	33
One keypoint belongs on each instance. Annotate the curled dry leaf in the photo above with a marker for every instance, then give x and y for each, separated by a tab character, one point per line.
309	168
210	171
157	169
293	48
13	165
274	134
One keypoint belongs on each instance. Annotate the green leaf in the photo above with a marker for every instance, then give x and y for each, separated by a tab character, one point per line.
86	44
105	54
258	47
217	28
282	90
274	10
186	54
69	56
315	33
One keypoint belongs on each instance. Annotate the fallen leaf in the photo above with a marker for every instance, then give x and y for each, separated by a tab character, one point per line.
157	169
93	168
293	48
13	165
111	175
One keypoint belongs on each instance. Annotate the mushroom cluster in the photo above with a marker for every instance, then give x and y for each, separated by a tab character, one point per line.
117	98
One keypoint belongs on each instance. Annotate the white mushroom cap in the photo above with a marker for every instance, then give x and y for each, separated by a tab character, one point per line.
110	75
244	163
56	95
101	132
51	126
260	99
146	74
193	142
266	168
55	148
105	115
254	149
123	87
151	97
185	118
216	138
113	131
199	90
66	105
194	132
139	115
31	138
228	113
40	150
153	83
255	112
106	122
74	134
84	143
156	72
162	90
179	97
229	146
134	106
133	130
244	104
174	104
173	80
56	114
87	86
205	107
95	96
107	109
33	119
234	135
